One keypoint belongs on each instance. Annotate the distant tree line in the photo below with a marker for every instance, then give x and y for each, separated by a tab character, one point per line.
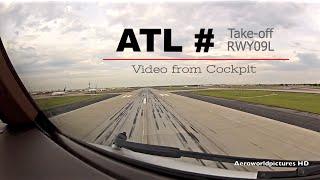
314	84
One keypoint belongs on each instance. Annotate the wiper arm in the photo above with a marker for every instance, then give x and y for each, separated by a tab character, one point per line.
166	151
121	142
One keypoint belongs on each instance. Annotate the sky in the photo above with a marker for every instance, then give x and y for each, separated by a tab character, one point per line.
57	44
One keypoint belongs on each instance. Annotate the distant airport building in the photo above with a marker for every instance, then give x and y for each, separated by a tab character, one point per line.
60	93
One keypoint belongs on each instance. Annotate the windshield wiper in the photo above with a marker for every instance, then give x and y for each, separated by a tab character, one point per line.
121	142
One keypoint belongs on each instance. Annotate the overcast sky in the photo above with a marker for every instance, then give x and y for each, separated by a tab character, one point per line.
56	44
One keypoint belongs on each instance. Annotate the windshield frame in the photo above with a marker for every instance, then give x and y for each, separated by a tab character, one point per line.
23	102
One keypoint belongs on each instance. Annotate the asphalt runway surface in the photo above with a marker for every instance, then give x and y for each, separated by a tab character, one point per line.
162	118
302	119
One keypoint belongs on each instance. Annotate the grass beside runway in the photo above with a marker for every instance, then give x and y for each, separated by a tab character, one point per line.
298	101
52	102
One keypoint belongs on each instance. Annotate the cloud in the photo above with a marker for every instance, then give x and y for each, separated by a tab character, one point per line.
53	43
306	62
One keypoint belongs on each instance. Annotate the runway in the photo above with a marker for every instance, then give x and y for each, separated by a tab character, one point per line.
162	118
298	118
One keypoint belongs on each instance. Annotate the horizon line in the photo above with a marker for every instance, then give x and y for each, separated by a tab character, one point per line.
197	59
